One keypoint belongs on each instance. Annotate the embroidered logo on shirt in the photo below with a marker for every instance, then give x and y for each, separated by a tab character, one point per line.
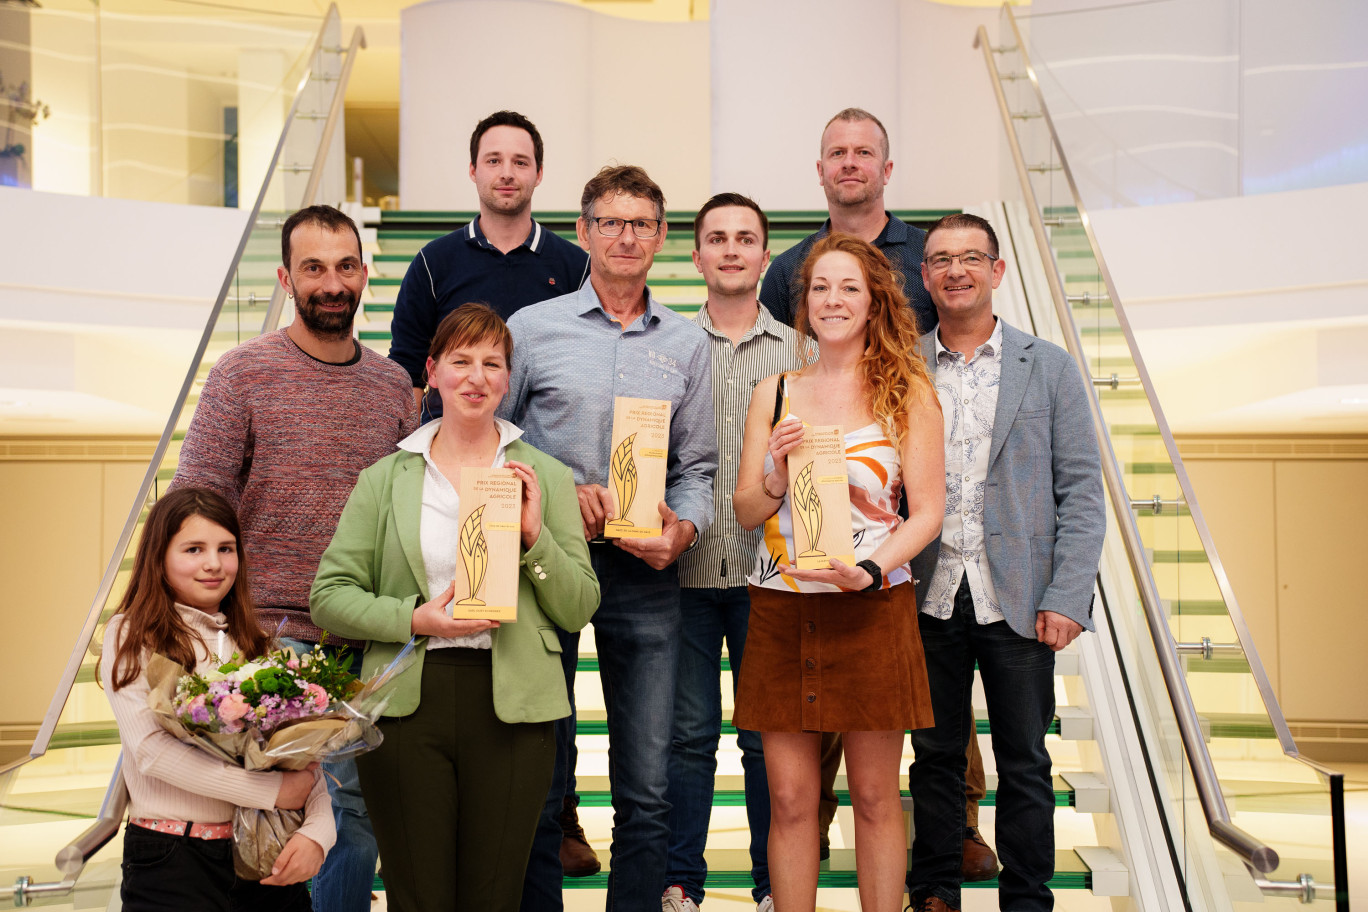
551	281
663	359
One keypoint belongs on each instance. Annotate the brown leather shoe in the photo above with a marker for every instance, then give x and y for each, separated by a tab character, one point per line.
979	861
929	904
576	855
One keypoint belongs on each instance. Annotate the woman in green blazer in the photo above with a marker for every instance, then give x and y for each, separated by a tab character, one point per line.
455	790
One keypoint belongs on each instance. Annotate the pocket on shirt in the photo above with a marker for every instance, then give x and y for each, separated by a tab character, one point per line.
550	639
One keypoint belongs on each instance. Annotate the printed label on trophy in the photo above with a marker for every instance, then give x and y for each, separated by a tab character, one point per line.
491	526
819	499
636	466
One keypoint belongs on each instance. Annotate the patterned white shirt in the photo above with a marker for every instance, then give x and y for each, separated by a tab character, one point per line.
968	394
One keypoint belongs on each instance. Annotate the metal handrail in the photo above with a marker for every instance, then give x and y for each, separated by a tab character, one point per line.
1242	633
72	858
358	41
1252	851
1258	858
73	666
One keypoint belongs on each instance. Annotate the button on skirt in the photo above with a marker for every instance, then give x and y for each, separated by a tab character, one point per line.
833	662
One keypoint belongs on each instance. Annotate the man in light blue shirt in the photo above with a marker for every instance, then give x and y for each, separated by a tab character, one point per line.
572	356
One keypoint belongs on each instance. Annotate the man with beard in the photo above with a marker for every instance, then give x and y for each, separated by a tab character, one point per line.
284	425
853	171
503	258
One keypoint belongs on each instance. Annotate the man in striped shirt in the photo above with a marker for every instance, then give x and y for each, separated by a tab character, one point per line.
731	248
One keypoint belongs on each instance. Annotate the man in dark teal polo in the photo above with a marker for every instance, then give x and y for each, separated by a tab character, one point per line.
853	169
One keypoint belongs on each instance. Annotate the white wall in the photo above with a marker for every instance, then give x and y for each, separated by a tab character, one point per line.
598	88
736	103
102	302
781	68
1201	99
1251	312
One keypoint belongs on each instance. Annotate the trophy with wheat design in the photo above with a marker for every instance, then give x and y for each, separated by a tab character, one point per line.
475	555
488	544
638	451
819	499
807	506
623	471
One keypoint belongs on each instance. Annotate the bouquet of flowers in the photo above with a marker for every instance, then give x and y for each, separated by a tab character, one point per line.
279	711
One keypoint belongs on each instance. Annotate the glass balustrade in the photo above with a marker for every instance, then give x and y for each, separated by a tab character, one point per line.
48	800
1293	806
150	99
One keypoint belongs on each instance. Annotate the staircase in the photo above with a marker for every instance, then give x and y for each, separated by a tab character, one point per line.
1173	765
48	801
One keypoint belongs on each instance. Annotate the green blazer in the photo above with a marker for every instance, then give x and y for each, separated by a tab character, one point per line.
372	578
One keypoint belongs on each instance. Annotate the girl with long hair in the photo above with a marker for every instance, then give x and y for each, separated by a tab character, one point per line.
188	600
837	649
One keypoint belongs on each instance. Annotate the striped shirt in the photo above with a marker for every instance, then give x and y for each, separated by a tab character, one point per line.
724	553
570	359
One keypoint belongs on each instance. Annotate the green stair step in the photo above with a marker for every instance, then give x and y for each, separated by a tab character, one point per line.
729	791
408	258
459	217
1216	665
1167	556
1148	468
729	869
84	734
1197	608
1238	725
595	722
588	662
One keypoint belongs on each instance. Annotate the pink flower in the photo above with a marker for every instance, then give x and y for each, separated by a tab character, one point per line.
293	663
319	696
195	710
232	708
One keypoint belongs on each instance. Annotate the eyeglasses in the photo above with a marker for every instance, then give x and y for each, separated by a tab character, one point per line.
613	227
970	259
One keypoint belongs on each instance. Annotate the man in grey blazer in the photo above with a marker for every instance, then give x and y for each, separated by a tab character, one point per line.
1024	522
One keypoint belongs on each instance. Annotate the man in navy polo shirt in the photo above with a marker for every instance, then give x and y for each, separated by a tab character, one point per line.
503	258
853	170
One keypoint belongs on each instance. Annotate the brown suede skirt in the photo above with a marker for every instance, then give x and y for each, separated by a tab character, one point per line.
833	662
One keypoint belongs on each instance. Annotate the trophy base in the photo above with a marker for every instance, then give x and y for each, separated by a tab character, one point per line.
625	528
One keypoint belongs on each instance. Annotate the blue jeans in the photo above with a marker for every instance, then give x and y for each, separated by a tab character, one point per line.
1018	681
344	882
709	615
637	630
542	882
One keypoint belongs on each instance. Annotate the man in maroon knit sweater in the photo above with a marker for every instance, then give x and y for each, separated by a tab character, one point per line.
284	425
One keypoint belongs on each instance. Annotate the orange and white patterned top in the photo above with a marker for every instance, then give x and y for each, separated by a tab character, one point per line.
874	467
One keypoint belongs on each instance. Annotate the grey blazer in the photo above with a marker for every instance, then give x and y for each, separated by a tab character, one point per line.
1044	517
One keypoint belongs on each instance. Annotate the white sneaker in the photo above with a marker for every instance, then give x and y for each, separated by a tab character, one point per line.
765	905
674	900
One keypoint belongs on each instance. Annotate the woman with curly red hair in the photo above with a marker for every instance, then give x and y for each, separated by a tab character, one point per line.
837	649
